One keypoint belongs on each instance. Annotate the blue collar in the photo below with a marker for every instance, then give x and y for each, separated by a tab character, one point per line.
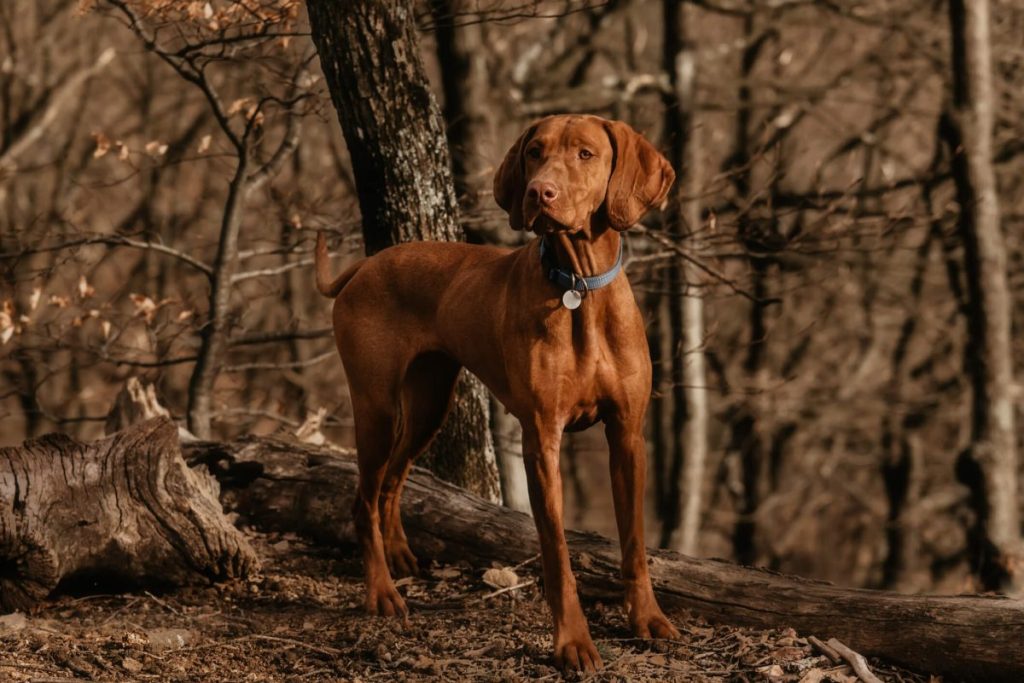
566	279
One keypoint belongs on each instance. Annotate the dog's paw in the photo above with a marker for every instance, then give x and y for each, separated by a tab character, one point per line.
401	560
384	600
654	625
578	654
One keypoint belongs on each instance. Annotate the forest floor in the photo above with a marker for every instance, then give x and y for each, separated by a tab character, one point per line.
302	620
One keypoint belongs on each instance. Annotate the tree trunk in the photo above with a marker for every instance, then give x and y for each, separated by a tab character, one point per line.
989	466
288	487
903	460
124	509
469	115
470	126
396	140
747	429
687	317
508	447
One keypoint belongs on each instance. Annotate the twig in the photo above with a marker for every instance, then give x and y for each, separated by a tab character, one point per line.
116	241
855	660
329	651
271	337
443	606
736	289
277	270
824	649
284	365
507	589
162	603
529	560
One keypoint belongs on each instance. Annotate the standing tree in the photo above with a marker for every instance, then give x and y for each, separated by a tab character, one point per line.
687	312
989	465
396	139
471	134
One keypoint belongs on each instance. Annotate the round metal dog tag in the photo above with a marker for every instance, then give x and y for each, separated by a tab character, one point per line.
572	299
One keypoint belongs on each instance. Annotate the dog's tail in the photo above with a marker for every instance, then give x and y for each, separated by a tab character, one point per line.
324	284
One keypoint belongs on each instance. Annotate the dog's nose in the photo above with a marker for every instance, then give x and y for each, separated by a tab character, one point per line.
542	192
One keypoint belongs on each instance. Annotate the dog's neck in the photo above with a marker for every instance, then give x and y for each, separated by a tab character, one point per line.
587	252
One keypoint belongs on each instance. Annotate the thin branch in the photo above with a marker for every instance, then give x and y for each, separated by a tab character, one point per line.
272	337
118	241
736	289
282	366
277	270
102	355
56	104
191	73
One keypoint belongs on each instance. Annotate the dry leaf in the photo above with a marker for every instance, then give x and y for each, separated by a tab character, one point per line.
238	105
501	578
133	665
85	290
59	301
204	143
102	144
6	325
254	114
310	432
33	300
446	573
813	676
144	306
156	148
105	326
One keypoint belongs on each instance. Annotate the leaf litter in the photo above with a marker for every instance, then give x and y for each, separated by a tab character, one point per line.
303	620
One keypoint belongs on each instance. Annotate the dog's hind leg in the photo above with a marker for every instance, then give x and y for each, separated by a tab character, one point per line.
375	434
426	397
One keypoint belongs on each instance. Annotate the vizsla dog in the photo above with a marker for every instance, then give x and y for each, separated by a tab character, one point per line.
552	328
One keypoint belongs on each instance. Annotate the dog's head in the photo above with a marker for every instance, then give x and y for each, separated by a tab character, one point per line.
565	170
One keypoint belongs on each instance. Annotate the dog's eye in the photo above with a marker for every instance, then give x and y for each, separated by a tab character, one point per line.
586	154
533	152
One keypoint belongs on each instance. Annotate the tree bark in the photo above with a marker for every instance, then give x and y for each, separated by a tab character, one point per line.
396	140
462	55
470	130
747	429
508	447
124	509
989	466
287	487
214	335
687	312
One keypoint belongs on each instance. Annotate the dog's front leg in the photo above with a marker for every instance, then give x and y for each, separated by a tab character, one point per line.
628	465
574	648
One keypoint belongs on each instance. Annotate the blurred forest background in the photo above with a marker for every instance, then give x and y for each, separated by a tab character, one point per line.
811	290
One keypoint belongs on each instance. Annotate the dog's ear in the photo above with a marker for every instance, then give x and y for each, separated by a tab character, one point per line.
510	180
641	176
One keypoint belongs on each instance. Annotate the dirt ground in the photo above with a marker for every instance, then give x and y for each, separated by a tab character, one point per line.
302	620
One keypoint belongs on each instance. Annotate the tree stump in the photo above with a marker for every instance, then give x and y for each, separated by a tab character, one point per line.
125	508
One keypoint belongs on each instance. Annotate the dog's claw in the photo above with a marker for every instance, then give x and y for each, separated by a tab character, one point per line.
655	625
401	560
385	601
578	654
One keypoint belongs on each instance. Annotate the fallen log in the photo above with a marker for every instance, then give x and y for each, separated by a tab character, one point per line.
290	487
123	509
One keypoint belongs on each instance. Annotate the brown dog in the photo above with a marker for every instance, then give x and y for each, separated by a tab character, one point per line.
558	352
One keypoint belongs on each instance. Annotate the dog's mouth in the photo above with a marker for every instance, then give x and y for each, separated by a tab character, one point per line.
542	222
